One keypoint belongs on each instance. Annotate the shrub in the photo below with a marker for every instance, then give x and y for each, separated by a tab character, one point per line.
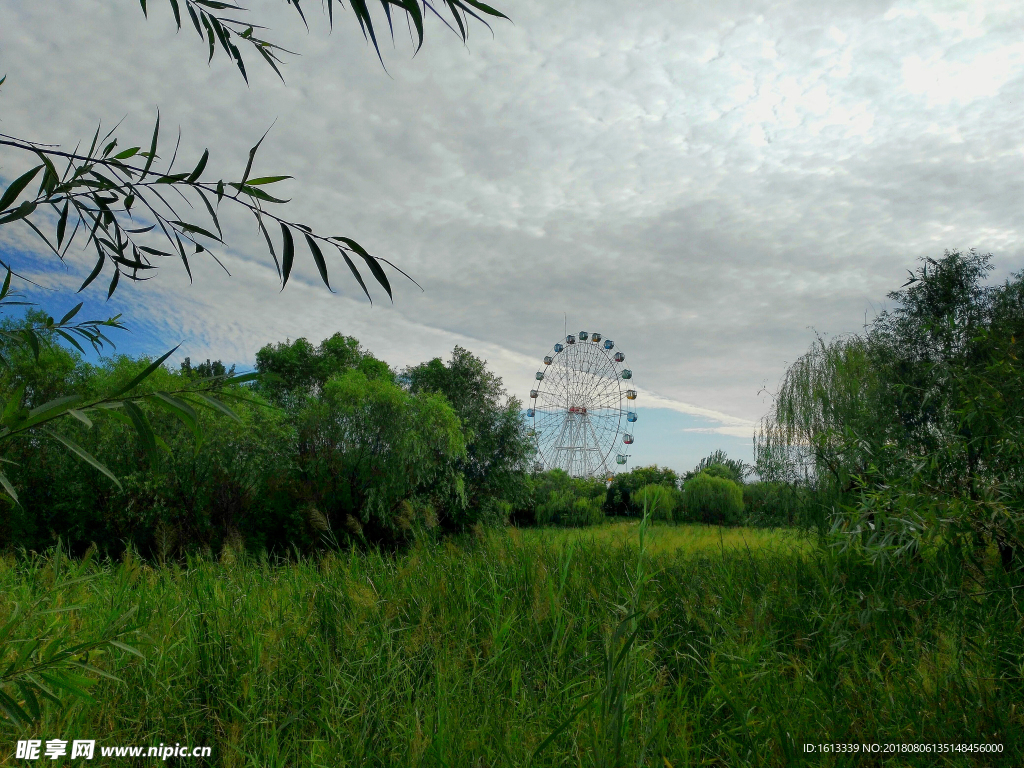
559	499
659	500
714	500
771	504
718	464
620	496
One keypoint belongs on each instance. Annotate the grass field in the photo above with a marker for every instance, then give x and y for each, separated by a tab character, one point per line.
730	648
679	539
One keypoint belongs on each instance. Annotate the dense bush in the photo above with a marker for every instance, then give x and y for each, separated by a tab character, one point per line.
498	449
558	499
718	464
773	504
660	501
330	446
620	499
713	500
909	434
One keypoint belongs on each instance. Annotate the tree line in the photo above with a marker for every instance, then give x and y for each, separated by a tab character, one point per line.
329	445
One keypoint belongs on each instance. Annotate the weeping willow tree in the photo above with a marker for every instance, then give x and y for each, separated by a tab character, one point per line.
824	417
913	430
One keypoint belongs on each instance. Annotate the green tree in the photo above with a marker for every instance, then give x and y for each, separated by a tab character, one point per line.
300	368
910	432
620	494
371	455
712	500
719	464
497	446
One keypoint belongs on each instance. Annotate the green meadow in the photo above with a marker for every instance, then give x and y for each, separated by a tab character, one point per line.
681	645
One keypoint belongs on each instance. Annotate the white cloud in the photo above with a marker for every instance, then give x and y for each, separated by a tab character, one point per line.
704	183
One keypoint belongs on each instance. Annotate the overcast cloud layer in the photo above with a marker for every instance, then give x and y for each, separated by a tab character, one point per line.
703	185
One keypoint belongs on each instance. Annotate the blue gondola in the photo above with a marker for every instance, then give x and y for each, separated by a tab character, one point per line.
530	413
608	343
627	374
558	348
583	335
631	416
619	357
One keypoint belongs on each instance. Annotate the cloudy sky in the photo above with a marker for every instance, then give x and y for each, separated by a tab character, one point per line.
707	184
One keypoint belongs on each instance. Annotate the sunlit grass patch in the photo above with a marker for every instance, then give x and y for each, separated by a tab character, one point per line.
681	539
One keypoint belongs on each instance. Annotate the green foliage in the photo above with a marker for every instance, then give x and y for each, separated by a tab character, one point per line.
498	449
713	500
298	367
773	504
660	501
41	659
473	652
909	435
619	499
558	499
718	464
367	448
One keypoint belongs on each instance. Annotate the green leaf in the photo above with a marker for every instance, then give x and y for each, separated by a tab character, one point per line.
288	254
82	454
94	274
200	167
81	417
245	378
9	488
22	211
371	262
185	413
124	647
12	192
152	147
145	374
126	153
71	313
318	257
143	428
252	156
266	180
192	228
113	282
256	192
13	711
355	273
57	404
62	223
217	405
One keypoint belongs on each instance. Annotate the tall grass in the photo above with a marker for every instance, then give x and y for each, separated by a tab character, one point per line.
475	653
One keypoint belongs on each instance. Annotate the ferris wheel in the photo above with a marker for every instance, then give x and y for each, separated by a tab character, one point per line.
582	411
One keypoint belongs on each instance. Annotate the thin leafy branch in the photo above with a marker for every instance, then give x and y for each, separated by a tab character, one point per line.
18	421
216	28
122	209
38	334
